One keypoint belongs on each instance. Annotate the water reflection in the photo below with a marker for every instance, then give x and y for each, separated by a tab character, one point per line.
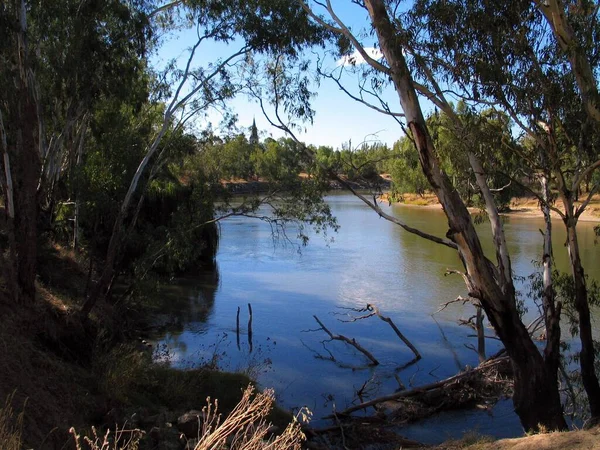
187	306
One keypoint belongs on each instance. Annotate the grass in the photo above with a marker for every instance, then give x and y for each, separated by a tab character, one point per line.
11	427
120	440
471	440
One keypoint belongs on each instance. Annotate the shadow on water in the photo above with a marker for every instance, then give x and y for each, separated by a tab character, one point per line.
187	302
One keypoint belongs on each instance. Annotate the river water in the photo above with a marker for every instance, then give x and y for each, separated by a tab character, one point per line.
369	261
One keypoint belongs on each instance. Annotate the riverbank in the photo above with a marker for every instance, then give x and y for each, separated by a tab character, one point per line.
524	207
60	372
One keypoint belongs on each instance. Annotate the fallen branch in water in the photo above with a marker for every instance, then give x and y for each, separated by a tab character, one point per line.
352	342
482	369
373	310
403	338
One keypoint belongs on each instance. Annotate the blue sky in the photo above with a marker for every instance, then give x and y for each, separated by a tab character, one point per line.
338	118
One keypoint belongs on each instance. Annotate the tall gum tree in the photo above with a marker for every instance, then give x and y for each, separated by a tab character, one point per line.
537	66
248	27
536	396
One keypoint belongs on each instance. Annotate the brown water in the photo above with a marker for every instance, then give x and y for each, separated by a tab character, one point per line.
370	261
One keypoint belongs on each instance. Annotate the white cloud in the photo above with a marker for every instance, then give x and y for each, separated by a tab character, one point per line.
356	58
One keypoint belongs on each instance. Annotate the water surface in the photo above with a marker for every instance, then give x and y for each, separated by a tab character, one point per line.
369	261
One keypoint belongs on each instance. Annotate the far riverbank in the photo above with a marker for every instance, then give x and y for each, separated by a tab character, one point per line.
525	207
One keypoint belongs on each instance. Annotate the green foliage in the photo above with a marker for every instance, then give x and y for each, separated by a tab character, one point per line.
487	134
407	175
503	53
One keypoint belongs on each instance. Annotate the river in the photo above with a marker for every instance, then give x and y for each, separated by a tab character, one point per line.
369	261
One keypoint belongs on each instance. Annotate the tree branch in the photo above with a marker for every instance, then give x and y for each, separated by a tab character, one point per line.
352	342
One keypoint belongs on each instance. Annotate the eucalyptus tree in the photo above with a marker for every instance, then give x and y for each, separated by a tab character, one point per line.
405	169
57	59
535	62
486	132
245	28
536	397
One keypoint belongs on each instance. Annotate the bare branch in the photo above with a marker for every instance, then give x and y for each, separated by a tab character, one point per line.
343	29
579	179
360	99
458	299
352	342
165	7
587	201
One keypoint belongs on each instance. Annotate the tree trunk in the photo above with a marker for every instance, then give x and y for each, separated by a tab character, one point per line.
587	356
554	13
26	211
480	334
550	309
536	397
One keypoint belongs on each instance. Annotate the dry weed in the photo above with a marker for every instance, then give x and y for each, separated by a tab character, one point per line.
246	427
121	440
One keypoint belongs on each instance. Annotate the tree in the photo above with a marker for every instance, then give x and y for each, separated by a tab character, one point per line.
60	63
406	172
546	85
200	87
536	397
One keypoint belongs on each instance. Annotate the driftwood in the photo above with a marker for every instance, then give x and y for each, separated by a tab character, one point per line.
352	342
497	365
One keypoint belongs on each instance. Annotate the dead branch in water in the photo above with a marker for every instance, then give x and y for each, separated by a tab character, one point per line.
373	310
475	322
352	342
482	369
237	328
250	326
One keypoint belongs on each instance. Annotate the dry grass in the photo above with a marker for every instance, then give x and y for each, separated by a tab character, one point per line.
573	440
246	427
11	427
427	199
120	440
